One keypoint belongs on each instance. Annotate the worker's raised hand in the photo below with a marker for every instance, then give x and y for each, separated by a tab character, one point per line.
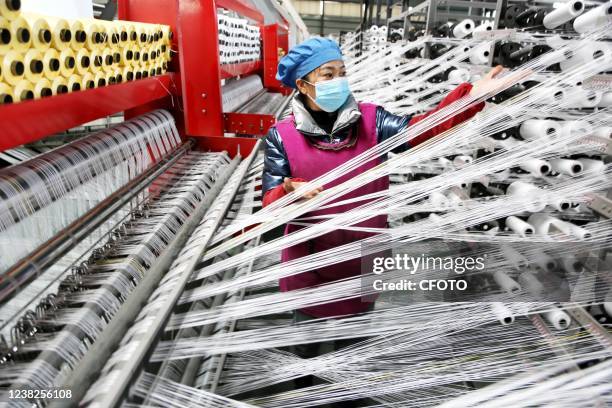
493	82
488	82
289	185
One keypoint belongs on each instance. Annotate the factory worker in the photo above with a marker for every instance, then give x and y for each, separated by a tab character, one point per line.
327	128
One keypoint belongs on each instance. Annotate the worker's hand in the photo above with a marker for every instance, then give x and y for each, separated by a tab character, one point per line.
290	186
493	83
487	83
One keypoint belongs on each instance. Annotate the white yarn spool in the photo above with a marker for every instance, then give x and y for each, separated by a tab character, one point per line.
545	224
576	127
485	26
438	200
555	41
458	76
526	190
607	305
536	167
544	261
400	31
587	98
592	166
374	39
558	319
529	281
373	29
382	39
563	14
590	51
462	160
594	18
571	265
383	30
453	198
579	232
506	283
514	257
502	313
605	100
604	132
560	204
537	128
463	28
480	54
566	166
436	218
519	226
444	162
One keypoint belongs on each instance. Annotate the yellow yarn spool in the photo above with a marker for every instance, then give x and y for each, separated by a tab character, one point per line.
137	73
42	88
117	57
88	81
59	86
108	60
83	61
128	74
62	34
34	67
97	61
67	62
79	35
100	79
13	67
110	34
122	30
23	91
6	94
40	31
9	9
52	64
22	34
118	74
126	57
166	34
74	83
94	34
110	78
6	34
136	56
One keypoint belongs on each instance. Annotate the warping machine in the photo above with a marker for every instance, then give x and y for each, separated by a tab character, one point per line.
92	228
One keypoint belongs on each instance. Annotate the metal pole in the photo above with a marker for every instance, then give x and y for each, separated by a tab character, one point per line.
322	25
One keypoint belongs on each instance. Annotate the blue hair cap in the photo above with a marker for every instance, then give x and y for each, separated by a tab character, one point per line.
306	57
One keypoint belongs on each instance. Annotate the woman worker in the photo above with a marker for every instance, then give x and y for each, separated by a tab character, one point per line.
327	128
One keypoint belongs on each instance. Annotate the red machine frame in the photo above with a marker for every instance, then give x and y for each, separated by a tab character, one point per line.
192	92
